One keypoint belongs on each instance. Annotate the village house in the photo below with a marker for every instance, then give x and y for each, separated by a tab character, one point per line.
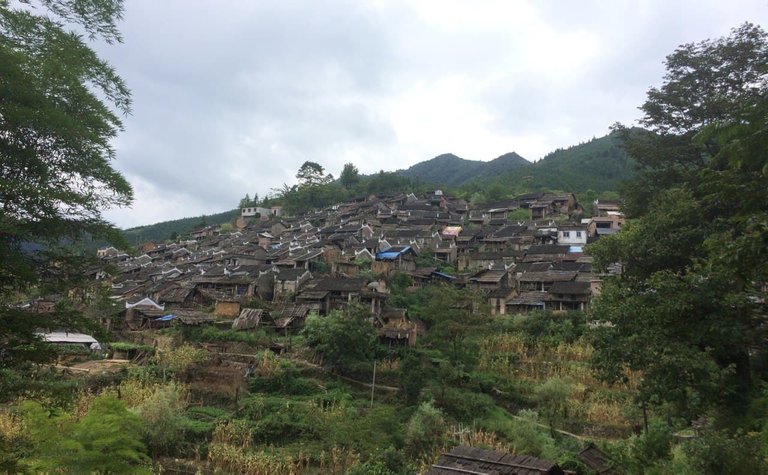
316	263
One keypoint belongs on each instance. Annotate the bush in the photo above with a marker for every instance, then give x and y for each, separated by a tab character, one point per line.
426	430
106	440
163	414
276	420
72	349
388	461
463	405
217	335
130	346
287	380
548	328
721	452
529	438
345	340
180	360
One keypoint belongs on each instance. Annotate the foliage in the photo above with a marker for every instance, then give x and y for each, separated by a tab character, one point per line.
350	176
450	314
286	380
387	461
248	202
525	436
107	439
130	346
213	334
463	405
685	311
345	340
311	174
450	170
600	165
159	232
425	430
58	116
552	396
548	328
162	412
180	360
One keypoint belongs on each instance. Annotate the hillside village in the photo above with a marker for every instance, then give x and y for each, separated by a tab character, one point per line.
347	253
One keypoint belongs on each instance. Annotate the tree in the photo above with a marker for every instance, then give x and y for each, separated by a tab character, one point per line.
552	396
245	201
426	430
350	176
686	311
707	83
106	440
345	340
312	173
59	106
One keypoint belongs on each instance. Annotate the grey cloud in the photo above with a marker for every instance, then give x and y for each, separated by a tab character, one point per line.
230	98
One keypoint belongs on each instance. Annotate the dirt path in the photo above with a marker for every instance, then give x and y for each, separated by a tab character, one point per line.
96	366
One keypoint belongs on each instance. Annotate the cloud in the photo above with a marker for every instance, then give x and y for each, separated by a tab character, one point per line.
232	98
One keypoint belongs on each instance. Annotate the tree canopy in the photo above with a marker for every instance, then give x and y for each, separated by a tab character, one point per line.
350	176
59	108
686	311
311	174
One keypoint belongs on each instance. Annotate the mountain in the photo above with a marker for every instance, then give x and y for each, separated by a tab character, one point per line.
159	232
450	170
599	165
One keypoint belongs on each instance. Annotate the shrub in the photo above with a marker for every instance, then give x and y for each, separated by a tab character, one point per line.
425	431
163	414
286	380
107	439
463	405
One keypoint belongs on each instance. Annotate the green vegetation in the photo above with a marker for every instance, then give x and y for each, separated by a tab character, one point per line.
590	168
59	112
176	228
345	340
106	439
687	314
667	372
450	170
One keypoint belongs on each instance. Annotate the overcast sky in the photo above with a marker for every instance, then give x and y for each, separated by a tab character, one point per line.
232	97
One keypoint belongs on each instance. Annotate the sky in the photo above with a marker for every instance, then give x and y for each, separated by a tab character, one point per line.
232	97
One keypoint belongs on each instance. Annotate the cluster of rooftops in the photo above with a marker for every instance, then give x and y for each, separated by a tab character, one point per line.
324	260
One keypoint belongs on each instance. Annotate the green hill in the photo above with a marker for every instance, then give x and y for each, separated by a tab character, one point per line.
166	230
450	170
599	165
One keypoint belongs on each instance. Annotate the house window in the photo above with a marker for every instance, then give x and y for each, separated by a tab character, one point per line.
578	234
566	234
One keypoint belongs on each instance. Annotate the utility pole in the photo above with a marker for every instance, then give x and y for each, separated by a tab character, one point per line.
373	384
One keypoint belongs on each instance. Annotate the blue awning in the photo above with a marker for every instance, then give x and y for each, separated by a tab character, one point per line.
165	318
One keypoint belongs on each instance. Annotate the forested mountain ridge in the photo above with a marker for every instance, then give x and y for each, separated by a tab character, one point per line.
176	227
598	165
449	169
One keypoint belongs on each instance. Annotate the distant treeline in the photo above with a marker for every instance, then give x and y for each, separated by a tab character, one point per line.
176	228
590	170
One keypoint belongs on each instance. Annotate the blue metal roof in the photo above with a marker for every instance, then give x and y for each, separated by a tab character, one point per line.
390	255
